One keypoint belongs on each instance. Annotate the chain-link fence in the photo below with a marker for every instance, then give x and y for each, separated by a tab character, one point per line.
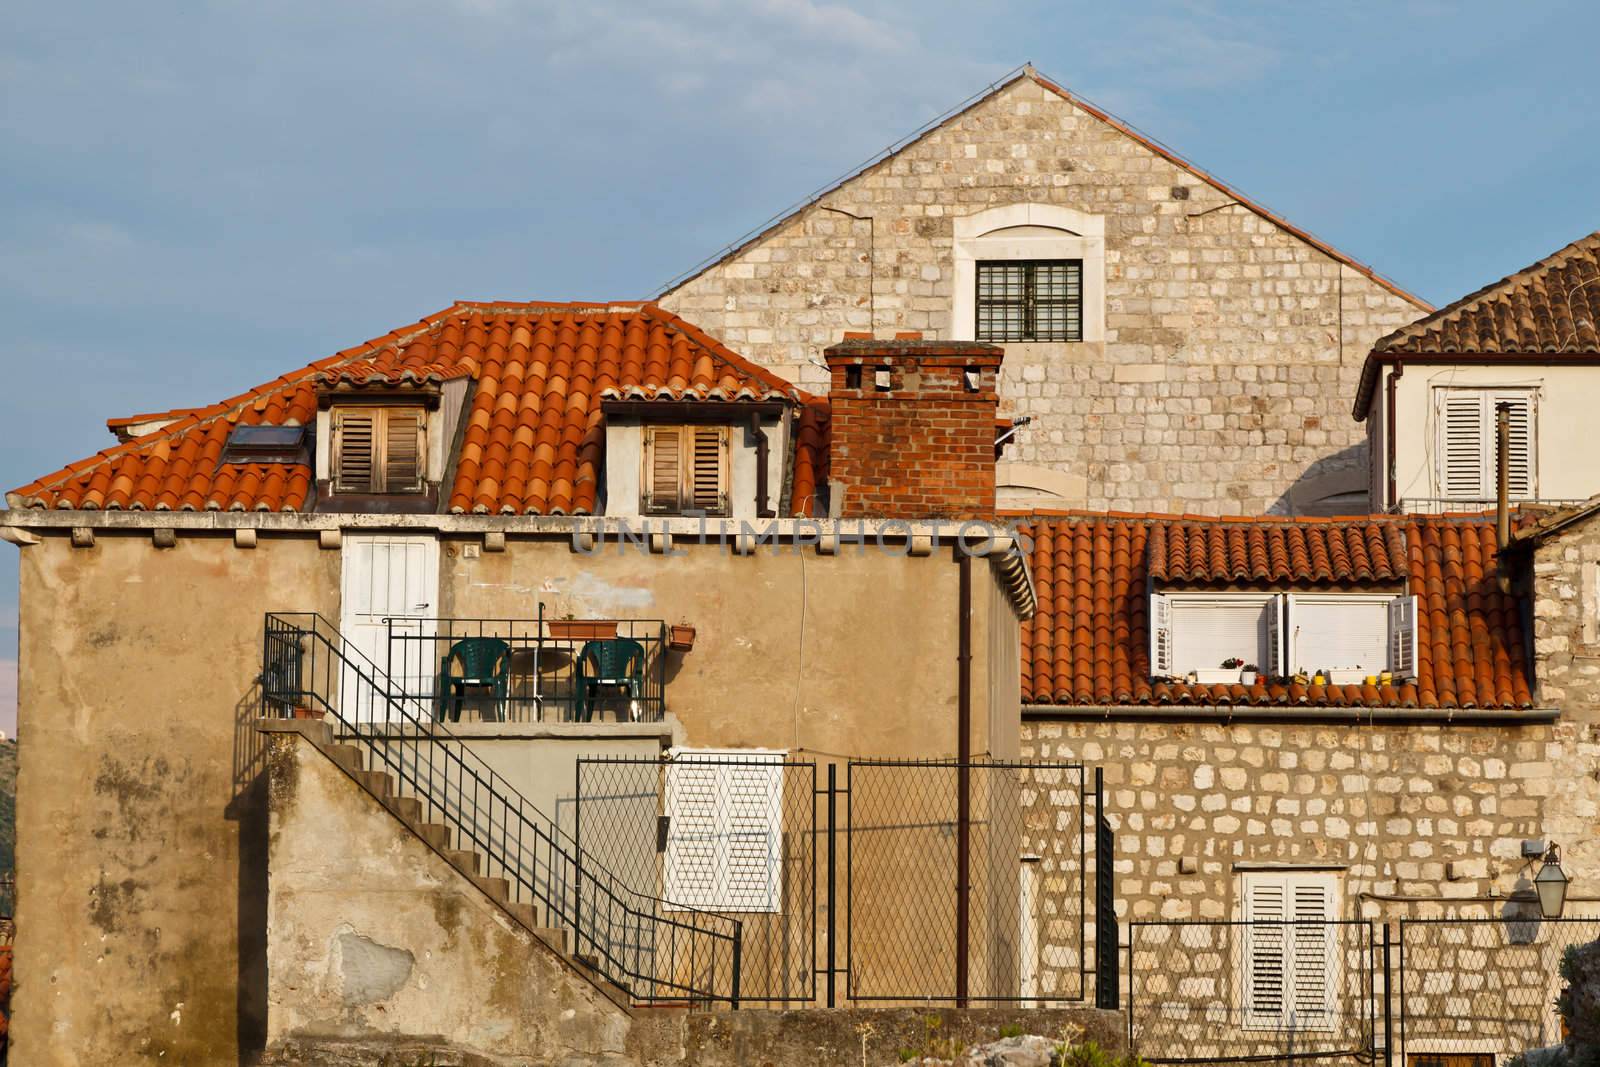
1223	992
728	834
1005	926
1483	985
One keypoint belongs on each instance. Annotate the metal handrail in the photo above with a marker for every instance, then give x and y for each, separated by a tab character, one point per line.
631	940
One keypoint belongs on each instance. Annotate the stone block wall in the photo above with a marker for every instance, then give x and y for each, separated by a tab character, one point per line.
1566	621
1231	349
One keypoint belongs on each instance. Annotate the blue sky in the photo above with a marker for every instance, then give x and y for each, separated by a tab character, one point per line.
195	197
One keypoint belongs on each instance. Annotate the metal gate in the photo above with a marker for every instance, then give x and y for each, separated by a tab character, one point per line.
973	910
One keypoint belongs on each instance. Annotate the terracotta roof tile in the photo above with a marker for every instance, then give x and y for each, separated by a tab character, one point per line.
1551	308
533	437
1088	644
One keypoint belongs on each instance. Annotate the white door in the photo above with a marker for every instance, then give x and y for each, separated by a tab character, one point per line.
389	596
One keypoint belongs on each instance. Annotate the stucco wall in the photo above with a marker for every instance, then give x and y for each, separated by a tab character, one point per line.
1231	347
1565	400
140	833
374	940
853	653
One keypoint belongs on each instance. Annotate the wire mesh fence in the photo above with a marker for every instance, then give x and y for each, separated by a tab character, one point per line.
1483	985
729	835
1005	926
1230	992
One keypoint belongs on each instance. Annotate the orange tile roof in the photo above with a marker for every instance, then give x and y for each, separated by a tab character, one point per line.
1089	642
533	438
1550	309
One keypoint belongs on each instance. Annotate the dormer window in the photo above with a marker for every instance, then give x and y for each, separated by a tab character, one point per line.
686	470
378	449
1352	635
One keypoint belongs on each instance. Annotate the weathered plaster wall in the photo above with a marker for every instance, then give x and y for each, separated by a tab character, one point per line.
853	653
140	835
375	941
1231	351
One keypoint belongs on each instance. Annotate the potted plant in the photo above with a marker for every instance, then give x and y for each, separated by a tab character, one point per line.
303	711
567	628
1227	674
1250	674
680	637
1346	675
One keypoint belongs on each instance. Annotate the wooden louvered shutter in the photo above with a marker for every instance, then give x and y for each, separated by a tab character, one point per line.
663	469
707	490
402	450
355	450
1462	450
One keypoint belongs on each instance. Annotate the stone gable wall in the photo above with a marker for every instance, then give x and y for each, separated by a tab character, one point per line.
1232	348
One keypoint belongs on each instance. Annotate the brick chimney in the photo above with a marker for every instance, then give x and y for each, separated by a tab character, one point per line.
913	427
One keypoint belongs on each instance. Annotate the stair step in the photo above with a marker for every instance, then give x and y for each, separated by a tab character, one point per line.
435	834
408	808
498	888
556	939
346	756
465	860
379	782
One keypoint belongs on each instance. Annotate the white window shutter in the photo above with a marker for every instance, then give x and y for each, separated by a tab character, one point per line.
1266	959
1464	455
1312	963
691	875
724	832
1403	636
1291	643
1520	467
752	815
1274	661
1160	635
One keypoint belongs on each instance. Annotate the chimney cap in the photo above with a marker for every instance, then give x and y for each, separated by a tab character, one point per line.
862	347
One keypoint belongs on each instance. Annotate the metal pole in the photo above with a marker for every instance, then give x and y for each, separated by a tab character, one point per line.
1388	1001
963	774
833	793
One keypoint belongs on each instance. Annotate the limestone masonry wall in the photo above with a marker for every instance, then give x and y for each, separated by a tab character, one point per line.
1231	347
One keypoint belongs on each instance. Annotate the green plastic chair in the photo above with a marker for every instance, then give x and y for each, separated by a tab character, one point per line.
485	663
617	663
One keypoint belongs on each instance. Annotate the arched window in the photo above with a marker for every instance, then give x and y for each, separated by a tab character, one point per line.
1029	273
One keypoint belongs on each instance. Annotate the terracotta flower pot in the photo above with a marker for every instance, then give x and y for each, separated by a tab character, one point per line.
680	638
582	629
309	713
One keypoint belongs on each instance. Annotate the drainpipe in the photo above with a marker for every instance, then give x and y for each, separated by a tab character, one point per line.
1388	430
1502	492
963	772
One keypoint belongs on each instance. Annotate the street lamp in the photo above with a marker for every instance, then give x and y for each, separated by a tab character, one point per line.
1551	884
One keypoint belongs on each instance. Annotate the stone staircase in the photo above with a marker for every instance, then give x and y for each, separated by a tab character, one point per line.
382	787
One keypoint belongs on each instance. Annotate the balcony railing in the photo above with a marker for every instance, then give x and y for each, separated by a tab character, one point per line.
1433	505
531	670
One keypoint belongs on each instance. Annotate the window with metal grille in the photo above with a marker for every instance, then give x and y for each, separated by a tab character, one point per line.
686	469
1030	300
378	449
1467	448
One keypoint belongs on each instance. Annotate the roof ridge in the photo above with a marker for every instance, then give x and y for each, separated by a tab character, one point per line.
1473	300
1314	521
995	88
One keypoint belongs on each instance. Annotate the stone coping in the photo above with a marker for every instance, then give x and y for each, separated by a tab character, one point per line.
661	732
